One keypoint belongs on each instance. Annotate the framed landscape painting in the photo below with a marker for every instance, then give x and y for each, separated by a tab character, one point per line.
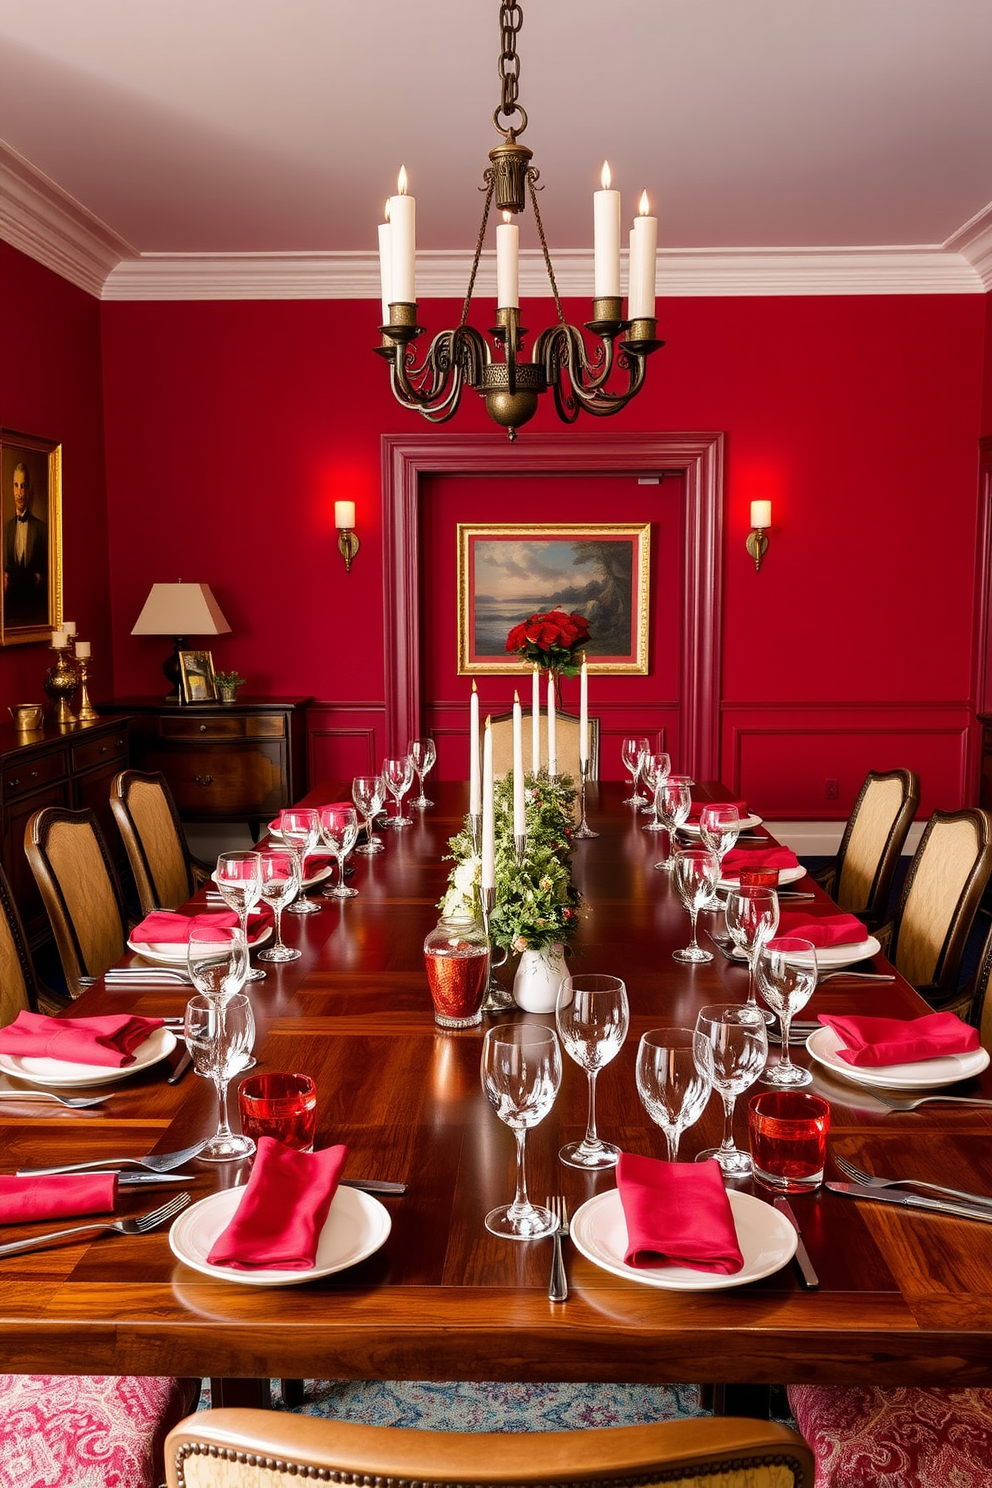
31	527
599	570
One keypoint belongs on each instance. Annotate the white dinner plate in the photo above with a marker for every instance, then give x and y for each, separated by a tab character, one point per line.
60	1072
824	1043
173	953
357	1225
691	829
785	876
830	956
767	1241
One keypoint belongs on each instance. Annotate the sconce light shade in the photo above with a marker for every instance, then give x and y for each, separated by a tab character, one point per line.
757	539
179	610
344	521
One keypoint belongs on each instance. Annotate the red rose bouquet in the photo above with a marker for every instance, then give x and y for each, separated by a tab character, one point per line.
552	640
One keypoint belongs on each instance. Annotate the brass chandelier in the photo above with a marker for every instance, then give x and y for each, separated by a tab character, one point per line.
463	357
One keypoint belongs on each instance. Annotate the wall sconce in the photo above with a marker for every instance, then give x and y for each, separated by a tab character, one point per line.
344	521
757	540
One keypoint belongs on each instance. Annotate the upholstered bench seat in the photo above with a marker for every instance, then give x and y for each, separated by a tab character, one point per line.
63	1431
897	1438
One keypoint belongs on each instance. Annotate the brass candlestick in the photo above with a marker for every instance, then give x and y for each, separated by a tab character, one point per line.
87	712
61	681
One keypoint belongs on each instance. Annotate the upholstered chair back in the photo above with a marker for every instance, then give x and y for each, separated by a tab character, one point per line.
873	840
944	886
80	890
17	984
153	837
566	744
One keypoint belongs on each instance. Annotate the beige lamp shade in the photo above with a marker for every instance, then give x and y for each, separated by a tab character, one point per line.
180	610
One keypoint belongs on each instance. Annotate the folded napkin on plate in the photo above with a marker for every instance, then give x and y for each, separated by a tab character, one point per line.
874	1042
677	1214
168	927
758	857
22	1199
110	1041
286	1200
697	806
824	930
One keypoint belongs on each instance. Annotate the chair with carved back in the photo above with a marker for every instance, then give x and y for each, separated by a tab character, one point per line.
20	988
566	744
165	872
252	1448
80	890
860	877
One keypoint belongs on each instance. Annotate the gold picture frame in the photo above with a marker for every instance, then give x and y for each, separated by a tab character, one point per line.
508	572
197	683
31	584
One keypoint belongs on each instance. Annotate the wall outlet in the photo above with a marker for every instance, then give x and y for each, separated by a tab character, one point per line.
832	789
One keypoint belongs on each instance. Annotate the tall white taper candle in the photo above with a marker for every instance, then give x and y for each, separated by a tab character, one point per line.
584	713
519	817
474	783
535	719
488	877
552	727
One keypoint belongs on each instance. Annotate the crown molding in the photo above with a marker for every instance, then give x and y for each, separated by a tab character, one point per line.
974	243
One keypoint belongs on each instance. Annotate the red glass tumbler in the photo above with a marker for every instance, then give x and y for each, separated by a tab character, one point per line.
759	878
277	1105
788	1139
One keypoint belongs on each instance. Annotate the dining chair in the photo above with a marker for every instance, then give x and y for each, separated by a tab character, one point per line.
863	1436
20	990
74	1431
236	1448
165	872
944	885
860	877
80	890
566	744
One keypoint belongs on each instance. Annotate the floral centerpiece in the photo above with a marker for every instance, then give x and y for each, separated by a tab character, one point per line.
552	640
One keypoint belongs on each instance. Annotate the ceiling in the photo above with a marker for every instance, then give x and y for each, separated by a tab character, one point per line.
153	147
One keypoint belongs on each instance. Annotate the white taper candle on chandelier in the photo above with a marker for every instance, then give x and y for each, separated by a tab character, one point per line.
488	875
535	719
584	713
403	244
606	239
552	727
519	815
385	264
507	264
474	781
643	264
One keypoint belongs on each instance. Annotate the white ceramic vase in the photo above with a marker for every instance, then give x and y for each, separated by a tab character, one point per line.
537	979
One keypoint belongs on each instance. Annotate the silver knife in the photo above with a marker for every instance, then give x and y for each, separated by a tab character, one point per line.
806	1270
374	1185
138	1180
910	1201
185	1060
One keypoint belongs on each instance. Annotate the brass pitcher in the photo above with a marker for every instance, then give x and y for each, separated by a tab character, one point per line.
27	716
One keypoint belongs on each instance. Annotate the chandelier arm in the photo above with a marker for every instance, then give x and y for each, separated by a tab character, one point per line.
434	387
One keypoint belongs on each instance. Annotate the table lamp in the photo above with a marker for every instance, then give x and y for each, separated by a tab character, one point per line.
179	610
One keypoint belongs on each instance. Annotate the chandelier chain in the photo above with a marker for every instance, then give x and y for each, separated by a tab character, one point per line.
480	243
511	18
531	178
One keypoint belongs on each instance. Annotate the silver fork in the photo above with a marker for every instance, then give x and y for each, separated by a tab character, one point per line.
857	976
140	1225
558	1286
857	1175
895	1104
157	1162
76	1102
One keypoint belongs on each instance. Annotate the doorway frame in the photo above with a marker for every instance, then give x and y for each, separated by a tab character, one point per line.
698	457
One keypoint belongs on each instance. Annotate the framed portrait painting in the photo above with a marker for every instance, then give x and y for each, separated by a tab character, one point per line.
31	527
197	683
599	570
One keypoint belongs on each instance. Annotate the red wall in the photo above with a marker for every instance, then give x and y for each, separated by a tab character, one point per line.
231	427
50	385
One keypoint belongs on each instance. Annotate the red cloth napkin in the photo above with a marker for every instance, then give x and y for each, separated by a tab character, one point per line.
22	1199
677	1214
873	1042
759	857
825	930
107	1041
167	927
697	806
286	1200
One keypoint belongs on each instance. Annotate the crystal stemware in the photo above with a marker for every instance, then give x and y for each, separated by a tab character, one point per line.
398	775
220	1032
592	1017
300	830
632	753
673	1089
785	970
655	768
280	875
695	874
732	1047
521	1073
339	829
216	958
752	918
369	795
673	801
423	753
719	827
240	887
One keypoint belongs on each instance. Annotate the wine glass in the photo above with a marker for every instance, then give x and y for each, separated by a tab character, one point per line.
240	887
632	753
279	872
786	974
216	958
521	1073
219	1034
673	1089
339	828
719	826
423	753
752	917
300	830
655	768
369	794
673	800
732	1046
398	775
592	1017
695	874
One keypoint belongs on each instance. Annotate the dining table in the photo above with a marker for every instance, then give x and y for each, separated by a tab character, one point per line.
904	1296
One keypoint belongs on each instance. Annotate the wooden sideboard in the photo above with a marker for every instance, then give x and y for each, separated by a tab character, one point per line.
225	762
69	766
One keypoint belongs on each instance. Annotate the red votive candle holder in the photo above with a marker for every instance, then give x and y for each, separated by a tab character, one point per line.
279	1105
788	1139
759	878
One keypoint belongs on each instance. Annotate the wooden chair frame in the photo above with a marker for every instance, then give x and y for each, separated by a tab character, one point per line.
142	867
874	910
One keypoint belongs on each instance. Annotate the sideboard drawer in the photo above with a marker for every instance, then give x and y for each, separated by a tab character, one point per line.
99	751
33	772
220	727
233	781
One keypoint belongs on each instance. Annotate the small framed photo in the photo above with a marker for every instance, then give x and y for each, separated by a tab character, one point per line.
197	683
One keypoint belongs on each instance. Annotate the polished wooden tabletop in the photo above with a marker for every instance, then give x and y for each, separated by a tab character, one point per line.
904	1297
